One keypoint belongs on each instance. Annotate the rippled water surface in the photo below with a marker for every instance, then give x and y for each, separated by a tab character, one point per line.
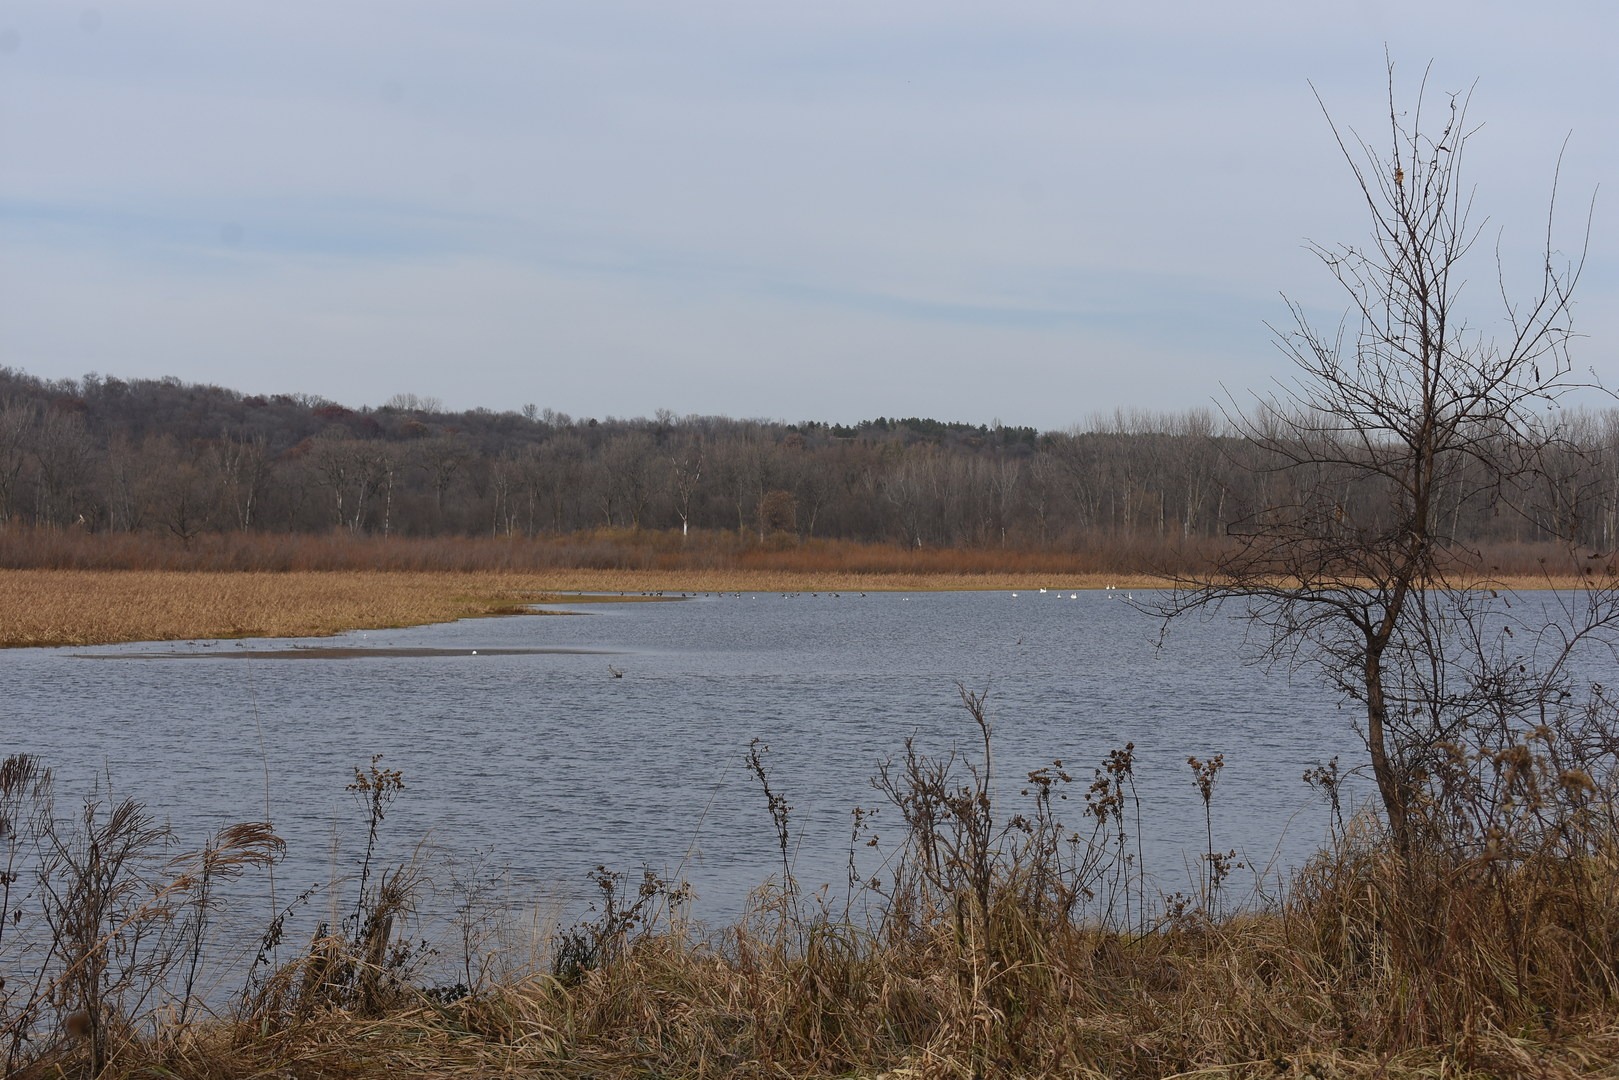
545	762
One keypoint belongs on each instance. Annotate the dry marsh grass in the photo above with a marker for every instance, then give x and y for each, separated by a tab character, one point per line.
70	587
53	607
1225	1004
91	607
68	607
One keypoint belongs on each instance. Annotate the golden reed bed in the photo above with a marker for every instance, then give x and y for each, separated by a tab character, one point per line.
96	607
99	607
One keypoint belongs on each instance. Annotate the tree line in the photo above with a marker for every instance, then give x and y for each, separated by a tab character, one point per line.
161	455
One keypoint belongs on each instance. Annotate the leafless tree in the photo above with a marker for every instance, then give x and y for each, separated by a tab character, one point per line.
740	472
910	486
242	465
532	478
352	471
63	451
505	478
17	421
628	461
442	457
414	403
1040	491
685	473
1004	478
815	483
562	459
126	483
387	459
1390	417
1132	484
178	489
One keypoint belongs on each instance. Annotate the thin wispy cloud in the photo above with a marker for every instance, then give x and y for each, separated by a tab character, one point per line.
835	211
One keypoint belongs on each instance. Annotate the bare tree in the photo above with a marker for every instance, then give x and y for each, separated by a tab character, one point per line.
814	482
1004	478
531	476
387	459
685	473
414	403
17	420
1040	484
126	483
63	452
1359	569
909	486
505	477
562	458
442	457
353	470
739	472
178	490
628	460
242	467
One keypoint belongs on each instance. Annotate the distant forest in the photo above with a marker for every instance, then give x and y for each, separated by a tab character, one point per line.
107	455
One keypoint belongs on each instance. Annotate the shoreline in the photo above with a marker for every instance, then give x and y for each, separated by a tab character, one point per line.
55	608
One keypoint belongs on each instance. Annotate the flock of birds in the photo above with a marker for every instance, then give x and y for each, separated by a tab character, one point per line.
1075	596
1127	594
737	595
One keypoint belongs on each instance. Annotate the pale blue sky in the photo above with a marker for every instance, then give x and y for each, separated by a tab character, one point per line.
1023	210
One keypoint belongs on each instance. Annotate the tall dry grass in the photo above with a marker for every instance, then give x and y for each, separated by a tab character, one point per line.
84	607
70	587
88	607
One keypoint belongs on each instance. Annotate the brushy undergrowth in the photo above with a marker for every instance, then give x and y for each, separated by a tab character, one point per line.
989	940
606	550
1114	556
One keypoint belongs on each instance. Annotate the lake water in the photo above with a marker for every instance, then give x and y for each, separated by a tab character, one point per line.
545	764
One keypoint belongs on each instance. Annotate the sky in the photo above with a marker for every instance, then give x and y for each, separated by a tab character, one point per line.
1022	211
